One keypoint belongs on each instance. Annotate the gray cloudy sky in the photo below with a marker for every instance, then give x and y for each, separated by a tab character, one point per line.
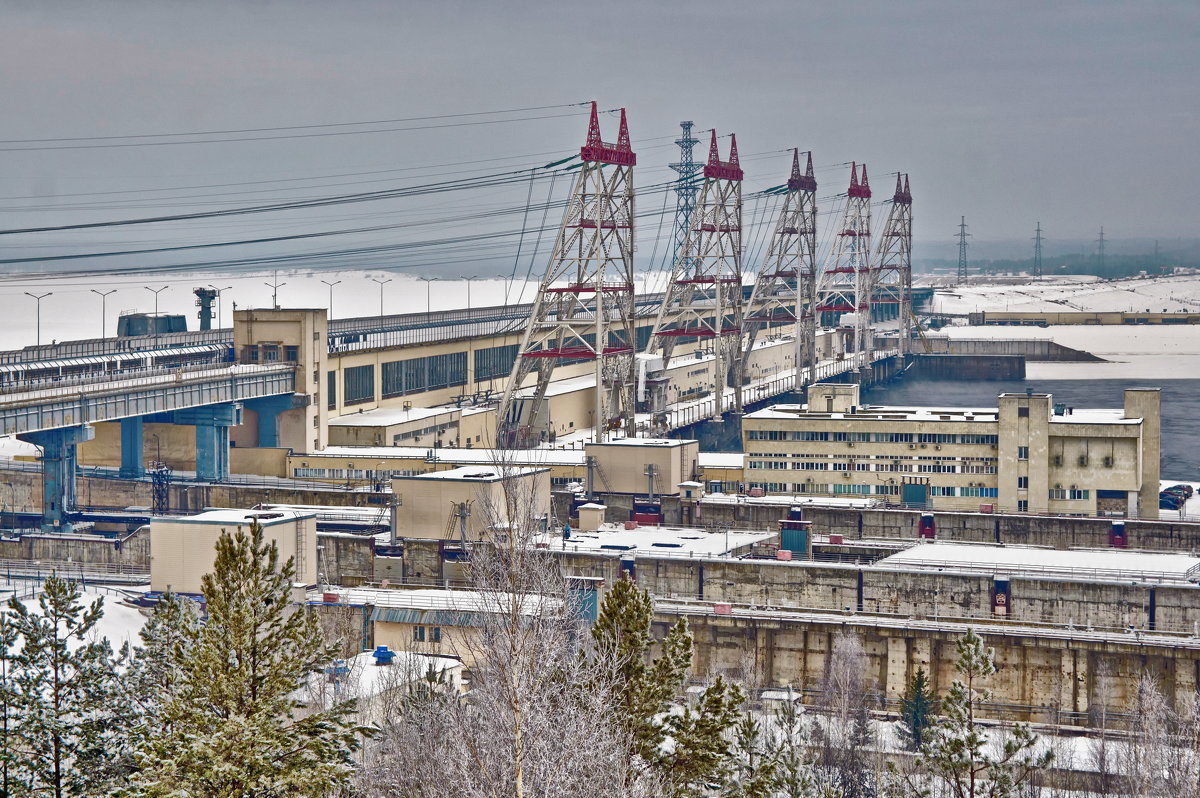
1077	114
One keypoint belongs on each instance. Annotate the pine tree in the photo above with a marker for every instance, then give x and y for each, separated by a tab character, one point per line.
956	752
156	666
753	767
787	745
231	726
8	700
917	708
65	729
700	755
622	635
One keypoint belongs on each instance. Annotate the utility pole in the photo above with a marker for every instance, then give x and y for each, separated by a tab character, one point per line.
103	303
1037	251
1100	248
382	283
274	285
331	285
39	299
962	250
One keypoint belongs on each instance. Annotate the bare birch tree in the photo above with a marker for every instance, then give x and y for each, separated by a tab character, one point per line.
527	727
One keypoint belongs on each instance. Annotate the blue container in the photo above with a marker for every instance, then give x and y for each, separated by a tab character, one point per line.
383	655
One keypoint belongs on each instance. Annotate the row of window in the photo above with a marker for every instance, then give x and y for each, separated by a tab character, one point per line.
351	473
866	437
1069	494
420	634
842	489
895	468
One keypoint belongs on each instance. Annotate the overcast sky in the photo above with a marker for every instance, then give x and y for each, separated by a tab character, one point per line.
1077	114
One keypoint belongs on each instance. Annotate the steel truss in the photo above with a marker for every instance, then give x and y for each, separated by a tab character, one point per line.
585	303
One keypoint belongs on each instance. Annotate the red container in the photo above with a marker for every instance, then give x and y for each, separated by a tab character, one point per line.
722	608
783	554
835	539
330	598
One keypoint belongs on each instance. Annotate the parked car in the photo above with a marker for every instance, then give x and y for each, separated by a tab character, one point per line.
1185	489
1169	501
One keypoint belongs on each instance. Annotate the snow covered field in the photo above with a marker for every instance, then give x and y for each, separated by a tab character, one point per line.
1142	352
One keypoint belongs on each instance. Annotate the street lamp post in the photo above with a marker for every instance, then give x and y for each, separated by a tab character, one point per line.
331	285
469	279
274	285
156	292
382	283
103	303
39	298
427	281
219	290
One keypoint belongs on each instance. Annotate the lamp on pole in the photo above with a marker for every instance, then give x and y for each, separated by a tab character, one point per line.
219	290
156	292
39	298
382	283
469	279
331	285
103	303
427	281
274	285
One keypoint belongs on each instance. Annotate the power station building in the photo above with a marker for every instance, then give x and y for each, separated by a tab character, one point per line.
1027	454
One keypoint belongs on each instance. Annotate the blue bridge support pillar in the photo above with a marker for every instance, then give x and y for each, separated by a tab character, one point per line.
212	424
132	436
58	472
268	409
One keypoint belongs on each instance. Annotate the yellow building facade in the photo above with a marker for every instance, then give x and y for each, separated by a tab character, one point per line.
1027	454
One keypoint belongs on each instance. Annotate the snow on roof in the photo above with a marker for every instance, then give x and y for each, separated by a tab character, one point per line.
948	414
387	416
11	447
658	540
475	474
264	517
663	442
522	457
721	459
120	624
1102	564
432	599
788	500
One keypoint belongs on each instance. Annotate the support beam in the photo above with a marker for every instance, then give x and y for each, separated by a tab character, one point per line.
132	441
58	472
268	409
212	424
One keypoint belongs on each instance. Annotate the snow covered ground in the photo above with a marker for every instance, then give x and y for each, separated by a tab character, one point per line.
1156	294
1142	352
119	625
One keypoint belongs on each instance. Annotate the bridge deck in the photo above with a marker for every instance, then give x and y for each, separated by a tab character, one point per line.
110	400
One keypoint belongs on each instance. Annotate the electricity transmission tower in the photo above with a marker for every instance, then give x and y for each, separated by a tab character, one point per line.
891	273
1037	251
1100	248
843	286
962	250
686	187
584	307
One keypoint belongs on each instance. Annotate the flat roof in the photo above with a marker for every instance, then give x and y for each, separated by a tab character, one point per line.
368	455
949	415
663	442
656	540
241	517
474	474
429	599
1028	561
387	416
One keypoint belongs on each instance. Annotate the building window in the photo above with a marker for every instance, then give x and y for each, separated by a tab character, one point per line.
1022	506
941	490
358	385
332	385
291	353
1022	483
1022	452
1022	412
419	634
436	634
1058	493
1076	495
